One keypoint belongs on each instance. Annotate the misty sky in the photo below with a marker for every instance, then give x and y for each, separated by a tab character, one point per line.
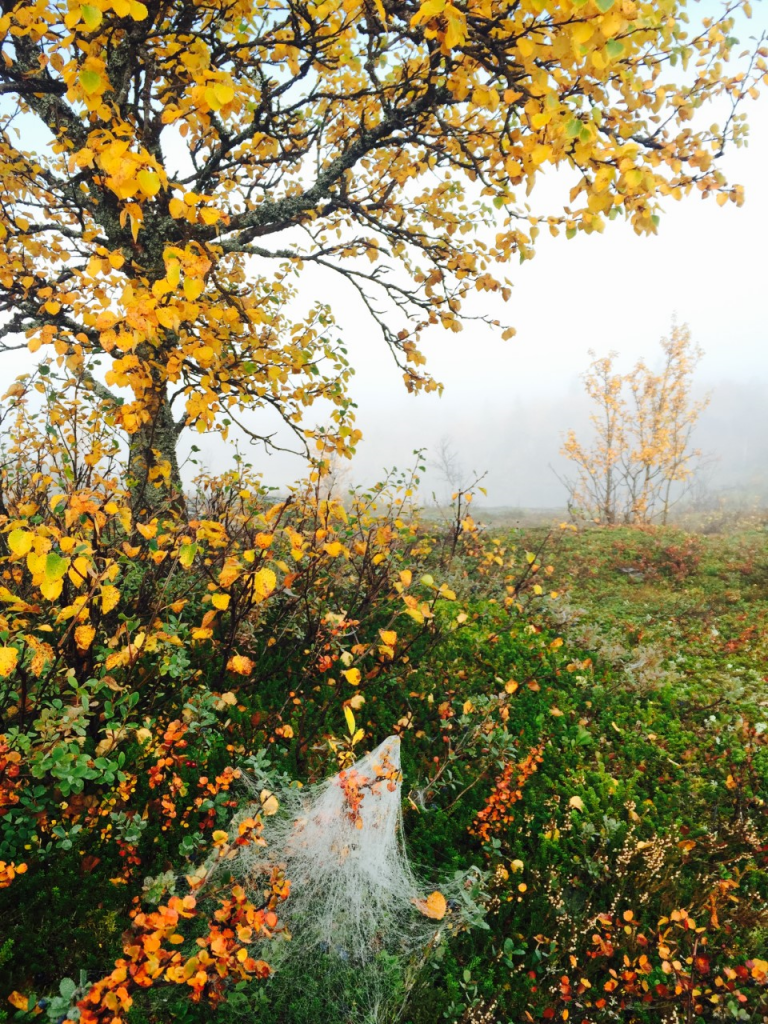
507	404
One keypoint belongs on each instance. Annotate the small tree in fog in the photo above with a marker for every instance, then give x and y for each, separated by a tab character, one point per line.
641	459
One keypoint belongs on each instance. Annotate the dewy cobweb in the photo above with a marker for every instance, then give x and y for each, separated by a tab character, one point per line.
358	924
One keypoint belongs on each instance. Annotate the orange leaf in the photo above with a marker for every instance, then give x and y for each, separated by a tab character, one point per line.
434	906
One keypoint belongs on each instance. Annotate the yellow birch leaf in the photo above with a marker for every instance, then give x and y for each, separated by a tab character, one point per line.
110	597
224	93
149	182
51	589
269	803
240	664
350	721
352	675
8	658
264	582
84	637
193	288
78	571
220	601
20	541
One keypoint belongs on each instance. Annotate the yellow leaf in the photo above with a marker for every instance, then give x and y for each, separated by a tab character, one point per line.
388	636
350	721
18	1000
110	597
78	571
224	93
84	637
209	216
149	182
352	675
51	589
264	582
20	541
220	601
193	287
240	664
8	658
577	803
269	803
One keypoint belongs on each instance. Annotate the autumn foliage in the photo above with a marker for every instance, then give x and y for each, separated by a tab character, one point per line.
641	457
195	163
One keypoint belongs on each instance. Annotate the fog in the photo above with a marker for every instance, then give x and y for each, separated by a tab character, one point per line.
506	405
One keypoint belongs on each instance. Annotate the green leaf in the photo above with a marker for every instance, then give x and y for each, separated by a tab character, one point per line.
55	567
92	17
187	555
614	47
604	5
91	81
67	988
573	128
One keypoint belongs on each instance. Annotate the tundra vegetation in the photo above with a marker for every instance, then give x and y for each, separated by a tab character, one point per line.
591	741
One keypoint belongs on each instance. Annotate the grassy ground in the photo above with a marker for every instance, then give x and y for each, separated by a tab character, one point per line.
596	744
666	605
631	875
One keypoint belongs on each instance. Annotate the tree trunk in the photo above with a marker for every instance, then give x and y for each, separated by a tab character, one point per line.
153	469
